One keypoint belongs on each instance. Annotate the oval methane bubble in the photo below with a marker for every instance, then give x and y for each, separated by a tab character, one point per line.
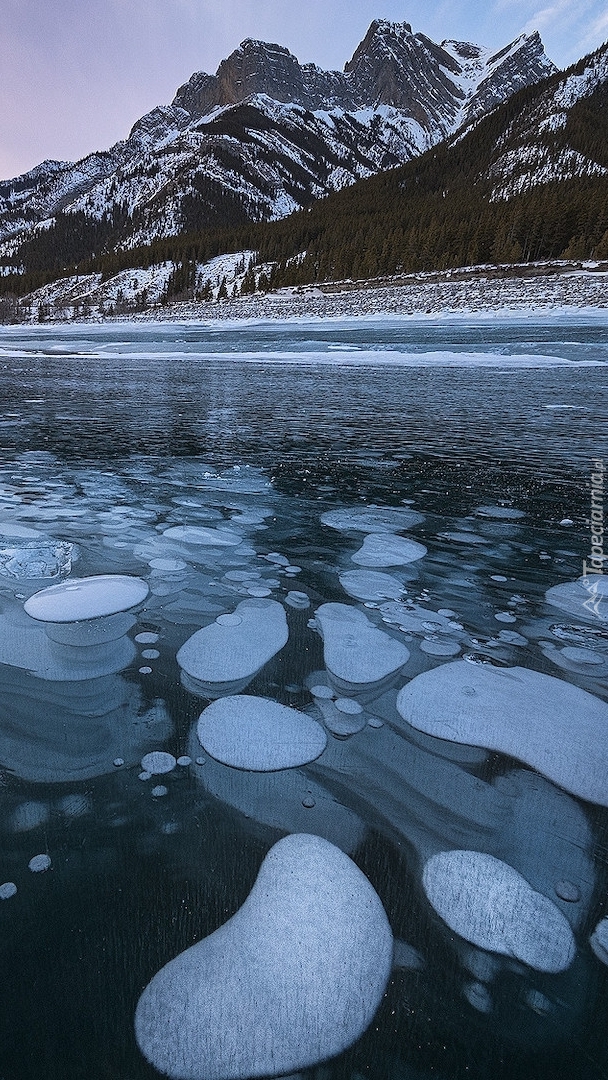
557	728
386	549
260	735
234	647
488	903
292	979
86	598
357	653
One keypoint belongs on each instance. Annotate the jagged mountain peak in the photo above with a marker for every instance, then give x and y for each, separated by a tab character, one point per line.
265	134
465	50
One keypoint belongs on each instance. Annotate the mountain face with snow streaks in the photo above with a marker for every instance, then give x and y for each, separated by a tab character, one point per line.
267	135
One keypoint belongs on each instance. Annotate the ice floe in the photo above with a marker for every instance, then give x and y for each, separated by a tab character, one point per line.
557	728
501	513
292	979
371	585
599	941
258	734
198	535
356	653
224	657
490	904
34	559
372	519
386	549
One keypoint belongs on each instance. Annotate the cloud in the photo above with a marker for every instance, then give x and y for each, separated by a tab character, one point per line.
557	16
597	34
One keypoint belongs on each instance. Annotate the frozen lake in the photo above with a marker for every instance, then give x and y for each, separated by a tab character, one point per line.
370	523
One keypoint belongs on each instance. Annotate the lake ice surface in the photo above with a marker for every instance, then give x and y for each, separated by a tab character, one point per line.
202	461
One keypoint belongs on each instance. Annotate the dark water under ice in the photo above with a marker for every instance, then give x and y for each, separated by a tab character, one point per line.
111	435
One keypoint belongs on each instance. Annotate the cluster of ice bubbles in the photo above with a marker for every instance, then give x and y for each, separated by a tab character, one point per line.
393	730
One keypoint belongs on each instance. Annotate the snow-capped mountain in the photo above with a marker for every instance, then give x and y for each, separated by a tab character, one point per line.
266	135
561	134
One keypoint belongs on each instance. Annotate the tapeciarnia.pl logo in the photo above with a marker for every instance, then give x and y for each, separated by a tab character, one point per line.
597	560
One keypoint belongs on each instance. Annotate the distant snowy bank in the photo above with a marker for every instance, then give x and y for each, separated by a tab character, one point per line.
474	291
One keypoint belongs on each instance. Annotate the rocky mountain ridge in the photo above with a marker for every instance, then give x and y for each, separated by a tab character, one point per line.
266	135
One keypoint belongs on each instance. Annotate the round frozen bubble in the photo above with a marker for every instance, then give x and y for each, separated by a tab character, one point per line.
158	762
169	565
184	761
478	996
487	902
7	889
582	656
356	653
505	617
39	864
538	1002
225	653
462	537
298	600
322	691
372	519
200	536
386	549
29	815
258	734
587	597
371	585
75	806
86	598
20	532
568	891
348	706
160	791
439	648
229	619
511	637
150	654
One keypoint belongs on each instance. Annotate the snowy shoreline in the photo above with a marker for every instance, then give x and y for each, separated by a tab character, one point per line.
575	291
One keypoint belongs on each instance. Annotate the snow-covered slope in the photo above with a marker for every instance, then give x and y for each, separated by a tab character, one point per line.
266	135
561	134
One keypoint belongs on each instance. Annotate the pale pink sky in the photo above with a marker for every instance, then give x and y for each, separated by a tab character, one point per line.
76	74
